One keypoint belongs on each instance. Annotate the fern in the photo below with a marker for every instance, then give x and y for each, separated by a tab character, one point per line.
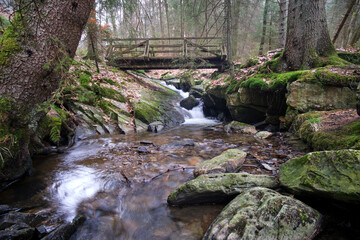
55	130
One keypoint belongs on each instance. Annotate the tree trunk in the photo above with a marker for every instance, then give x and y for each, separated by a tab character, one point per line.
307	34
228	36
161	19
167	18
270	30
182	34
282	24
261	49
235	27
344	20
53	30
352	26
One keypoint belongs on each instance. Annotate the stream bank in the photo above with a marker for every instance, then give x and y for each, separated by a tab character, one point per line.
122	181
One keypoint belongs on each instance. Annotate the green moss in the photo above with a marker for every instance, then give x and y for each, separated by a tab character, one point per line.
332	60
84	80
233	86
279	81
255	83
346	137
146	113
350	57
111	93
253	61
141	71
10	41
329	78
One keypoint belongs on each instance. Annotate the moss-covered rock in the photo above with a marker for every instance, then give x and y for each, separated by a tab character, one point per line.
229	161
350	57
305	97
187	80
333	175
260	213
217	188
239	127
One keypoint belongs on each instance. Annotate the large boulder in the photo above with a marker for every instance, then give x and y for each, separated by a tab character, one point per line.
261	213
189	102
305	97
217	188
239	127
328	174
229	161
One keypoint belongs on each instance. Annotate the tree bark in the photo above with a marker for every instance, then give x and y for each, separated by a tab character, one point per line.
53	30
228	36
282	24
261	49
307	34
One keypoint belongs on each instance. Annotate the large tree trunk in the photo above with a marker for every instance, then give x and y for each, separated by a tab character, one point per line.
307	34
51	33
282	24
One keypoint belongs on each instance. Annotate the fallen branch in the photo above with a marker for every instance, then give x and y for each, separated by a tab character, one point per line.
169	170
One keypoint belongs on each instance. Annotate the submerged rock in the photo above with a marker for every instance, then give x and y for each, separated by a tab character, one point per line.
65	230
261	213
235	126
328	174
155	127
217	188
263	135
189	102
229	161
84	132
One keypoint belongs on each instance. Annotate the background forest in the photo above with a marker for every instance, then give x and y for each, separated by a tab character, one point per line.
257	25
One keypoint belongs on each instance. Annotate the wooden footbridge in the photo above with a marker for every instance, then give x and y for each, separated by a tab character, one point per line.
166	53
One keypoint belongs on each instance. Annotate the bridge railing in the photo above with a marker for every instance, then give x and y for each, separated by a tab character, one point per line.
192	47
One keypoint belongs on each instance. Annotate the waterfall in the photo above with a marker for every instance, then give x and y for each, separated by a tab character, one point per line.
194	116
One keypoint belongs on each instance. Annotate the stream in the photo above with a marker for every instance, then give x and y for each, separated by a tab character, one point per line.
121	183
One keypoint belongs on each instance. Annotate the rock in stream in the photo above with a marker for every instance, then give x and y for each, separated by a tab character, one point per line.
217	188
261	213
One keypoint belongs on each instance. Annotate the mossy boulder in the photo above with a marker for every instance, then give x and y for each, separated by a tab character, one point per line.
305	97
350	57
239	127
189	102
263	135
197	91
217	188
229	161
333	175
187	81
260	213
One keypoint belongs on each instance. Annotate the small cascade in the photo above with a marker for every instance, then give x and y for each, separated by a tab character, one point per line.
194	116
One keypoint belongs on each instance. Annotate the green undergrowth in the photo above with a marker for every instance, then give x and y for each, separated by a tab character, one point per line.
10	136
10	40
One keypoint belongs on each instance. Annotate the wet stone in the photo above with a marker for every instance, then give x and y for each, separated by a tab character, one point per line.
146	142
143	149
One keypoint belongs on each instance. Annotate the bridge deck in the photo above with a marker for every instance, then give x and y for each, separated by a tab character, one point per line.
166	53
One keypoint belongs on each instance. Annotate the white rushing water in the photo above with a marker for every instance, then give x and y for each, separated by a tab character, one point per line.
194	116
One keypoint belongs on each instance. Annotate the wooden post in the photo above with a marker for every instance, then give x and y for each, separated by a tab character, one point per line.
185	48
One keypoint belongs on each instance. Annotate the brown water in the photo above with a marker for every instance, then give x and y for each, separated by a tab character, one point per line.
121	185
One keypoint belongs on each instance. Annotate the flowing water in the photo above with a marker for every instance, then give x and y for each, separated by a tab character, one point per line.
121	183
